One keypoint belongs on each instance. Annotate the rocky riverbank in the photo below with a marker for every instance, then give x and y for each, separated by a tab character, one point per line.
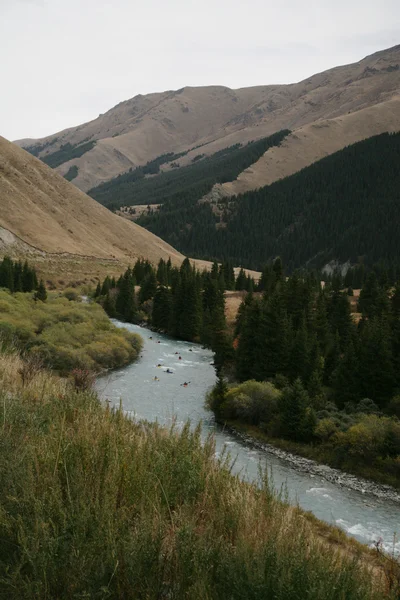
314	468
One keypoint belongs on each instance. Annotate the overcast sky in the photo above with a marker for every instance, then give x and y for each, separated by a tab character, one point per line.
63	62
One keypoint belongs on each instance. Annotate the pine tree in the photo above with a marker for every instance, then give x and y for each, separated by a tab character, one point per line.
7	274
125	304
109	304
368	300
98	290
41	293
295	416
162	308
29	282
346	377
162	274
376	362
241	281
105	288
299	358
18	287
148	287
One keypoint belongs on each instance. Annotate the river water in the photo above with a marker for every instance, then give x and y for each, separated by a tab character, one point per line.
363	516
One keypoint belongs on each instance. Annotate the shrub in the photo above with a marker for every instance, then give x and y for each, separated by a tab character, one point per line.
65	334
72	295
253	402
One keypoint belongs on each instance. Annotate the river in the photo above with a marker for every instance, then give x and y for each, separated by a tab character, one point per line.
363	516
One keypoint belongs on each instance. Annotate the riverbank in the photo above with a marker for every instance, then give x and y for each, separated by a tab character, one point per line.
95	504
291	452
65	334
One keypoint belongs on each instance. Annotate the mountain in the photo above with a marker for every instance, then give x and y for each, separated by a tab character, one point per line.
39	208
344	207
207	119
312	142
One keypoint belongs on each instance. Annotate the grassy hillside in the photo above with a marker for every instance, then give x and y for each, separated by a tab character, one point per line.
51	214
94	505
314	141
344	207
186	185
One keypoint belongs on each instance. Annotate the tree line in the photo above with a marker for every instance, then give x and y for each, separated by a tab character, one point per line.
21	277
343	207
179	189
184	302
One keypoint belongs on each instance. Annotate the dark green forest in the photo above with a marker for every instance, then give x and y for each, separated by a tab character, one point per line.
297	365
64	154
72	173
17	276
344	207
180	189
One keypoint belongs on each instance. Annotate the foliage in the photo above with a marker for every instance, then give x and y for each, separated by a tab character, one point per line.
66	153
72	173
99	506
17	276
64	334
340	208
178	190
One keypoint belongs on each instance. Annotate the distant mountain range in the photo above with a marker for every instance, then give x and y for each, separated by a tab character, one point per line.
324	112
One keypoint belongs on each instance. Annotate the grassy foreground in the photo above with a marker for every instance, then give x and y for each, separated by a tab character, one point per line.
94	505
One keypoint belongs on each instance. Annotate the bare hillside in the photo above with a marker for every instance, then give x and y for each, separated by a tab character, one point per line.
311	143
140	129
42	209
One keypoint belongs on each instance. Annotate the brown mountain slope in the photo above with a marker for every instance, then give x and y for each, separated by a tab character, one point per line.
214	117
46	212
312	142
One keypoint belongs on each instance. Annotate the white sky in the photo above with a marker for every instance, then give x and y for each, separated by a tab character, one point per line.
62	62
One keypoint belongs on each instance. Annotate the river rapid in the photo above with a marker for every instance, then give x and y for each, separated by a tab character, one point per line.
361	512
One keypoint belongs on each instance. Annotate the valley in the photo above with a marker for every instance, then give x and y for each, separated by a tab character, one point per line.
200	345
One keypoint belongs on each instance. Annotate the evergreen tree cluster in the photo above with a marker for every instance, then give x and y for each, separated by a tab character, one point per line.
343	207
17	276
179	189
184	302
297	330
66	152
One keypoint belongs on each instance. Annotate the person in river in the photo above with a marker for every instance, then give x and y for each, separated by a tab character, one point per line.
180	358
185	384
169	371
159	365
156	379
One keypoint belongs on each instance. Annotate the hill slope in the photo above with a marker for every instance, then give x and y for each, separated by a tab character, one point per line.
47	212
138	130
343	207
312	142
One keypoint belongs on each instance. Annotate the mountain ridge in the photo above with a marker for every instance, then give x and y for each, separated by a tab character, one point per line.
213	117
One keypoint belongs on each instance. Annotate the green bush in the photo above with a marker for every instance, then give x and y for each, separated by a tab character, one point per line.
252	402
66	334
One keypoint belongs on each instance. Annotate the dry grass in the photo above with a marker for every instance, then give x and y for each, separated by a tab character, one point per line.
312	142
94	505
51	214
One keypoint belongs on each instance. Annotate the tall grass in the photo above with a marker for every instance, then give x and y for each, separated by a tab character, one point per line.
94	505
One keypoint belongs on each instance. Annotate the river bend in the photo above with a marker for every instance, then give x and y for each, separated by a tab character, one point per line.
362	515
